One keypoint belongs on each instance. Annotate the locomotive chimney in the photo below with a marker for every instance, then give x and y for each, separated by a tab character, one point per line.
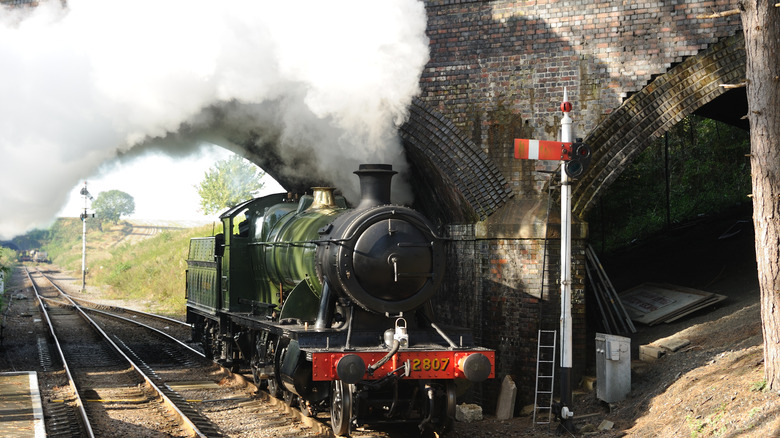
374	184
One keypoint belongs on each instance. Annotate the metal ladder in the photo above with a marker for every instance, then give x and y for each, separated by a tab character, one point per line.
545	374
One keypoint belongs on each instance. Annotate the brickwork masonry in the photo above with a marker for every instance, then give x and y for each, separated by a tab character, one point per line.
487	56
506	290
497	72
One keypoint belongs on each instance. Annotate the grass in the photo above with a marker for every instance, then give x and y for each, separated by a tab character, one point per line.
759	386
149	272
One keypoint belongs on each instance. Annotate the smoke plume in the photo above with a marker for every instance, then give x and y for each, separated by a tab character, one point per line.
321	86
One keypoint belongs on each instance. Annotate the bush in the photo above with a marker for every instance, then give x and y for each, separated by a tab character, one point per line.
707	172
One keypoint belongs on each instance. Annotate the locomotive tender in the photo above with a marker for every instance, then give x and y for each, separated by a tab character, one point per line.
330	306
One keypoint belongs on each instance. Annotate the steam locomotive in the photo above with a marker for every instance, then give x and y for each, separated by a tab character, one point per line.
330	306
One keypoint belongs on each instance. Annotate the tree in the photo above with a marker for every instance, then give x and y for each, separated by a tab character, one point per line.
228	183
111	205
761	24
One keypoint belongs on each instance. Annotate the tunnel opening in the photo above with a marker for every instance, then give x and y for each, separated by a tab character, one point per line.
679	215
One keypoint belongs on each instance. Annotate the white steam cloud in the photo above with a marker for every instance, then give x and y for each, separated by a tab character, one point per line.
325	83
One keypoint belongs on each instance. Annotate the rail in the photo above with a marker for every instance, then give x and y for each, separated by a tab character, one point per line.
71	381
165	394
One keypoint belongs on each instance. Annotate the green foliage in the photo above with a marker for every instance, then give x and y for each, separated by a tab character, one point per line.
7	257
64	242
150	271
759	386
695	425
31	240
708	172
711	424
228	183
111	205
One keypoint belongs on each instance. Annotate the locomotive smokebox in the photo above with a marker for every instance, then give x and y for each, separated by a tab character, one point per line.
374	184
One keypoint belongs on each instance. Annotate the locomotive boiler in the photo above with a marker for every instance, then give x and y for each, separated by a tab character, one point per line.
330	306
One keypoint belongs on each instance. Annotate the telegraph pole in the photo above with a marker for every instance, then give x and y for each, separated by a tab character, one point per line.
84	216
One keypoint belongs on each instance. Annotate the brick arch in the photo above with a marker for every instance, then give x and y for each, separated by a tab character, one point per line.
652	111
455	181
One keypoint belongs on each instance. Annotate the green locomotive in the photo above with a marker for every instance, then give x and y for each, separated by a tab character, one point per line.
330	306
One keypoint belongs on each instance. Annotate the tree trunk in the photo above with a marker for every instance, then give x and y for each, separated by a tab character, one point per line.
761	24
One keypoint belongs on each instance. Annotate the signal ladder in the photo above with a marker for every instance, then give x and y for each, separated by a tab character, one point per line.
545	375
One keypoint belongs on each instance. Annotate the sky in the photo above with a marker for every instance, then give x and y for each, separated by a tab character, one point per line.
163	187
319	86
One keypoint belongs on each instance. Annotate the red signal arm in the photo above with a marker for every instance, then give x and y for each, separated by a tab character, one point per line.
526	149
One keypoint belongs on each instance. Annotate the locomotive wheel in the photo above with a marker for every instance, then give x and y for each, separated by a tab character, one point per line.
275	355
215	343
197	332
340	407
306	408
257	361
444	407
450	406
290	399
273	388
208	339
260	382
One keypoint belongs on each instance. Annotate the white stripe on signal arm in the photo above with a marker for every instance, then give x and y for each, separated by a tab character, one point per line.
533	149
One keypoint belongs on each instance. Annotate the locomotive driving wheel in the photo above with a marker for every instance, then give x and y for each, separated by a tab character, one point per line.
441	412
273	388
450	406
340	407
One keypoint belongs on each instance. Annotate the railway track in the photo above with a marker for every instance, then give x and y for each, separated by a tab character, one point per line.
160	348
109	391
174	330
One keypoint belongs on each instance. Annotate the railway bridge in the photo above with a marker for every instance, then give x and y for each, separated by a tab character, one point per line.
497	71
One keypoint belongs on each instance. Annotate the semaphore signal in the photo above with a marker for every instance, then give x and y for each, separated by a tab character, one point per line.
574	158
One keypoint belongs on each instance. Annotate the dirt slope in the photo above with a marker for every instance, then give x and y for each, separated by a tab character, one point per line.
713	387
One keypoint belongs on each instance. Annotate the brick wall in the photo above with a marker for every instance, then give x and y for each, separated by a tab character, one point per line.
503	64
497	72
655	109
497	291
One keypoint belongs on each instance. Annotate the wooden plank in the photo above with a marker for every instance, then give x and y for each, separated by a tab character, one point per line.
605	317
652	303
711	301
612	290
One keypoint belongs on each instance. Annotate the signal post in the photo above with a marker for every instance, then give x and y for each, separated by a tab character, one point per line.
574	158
